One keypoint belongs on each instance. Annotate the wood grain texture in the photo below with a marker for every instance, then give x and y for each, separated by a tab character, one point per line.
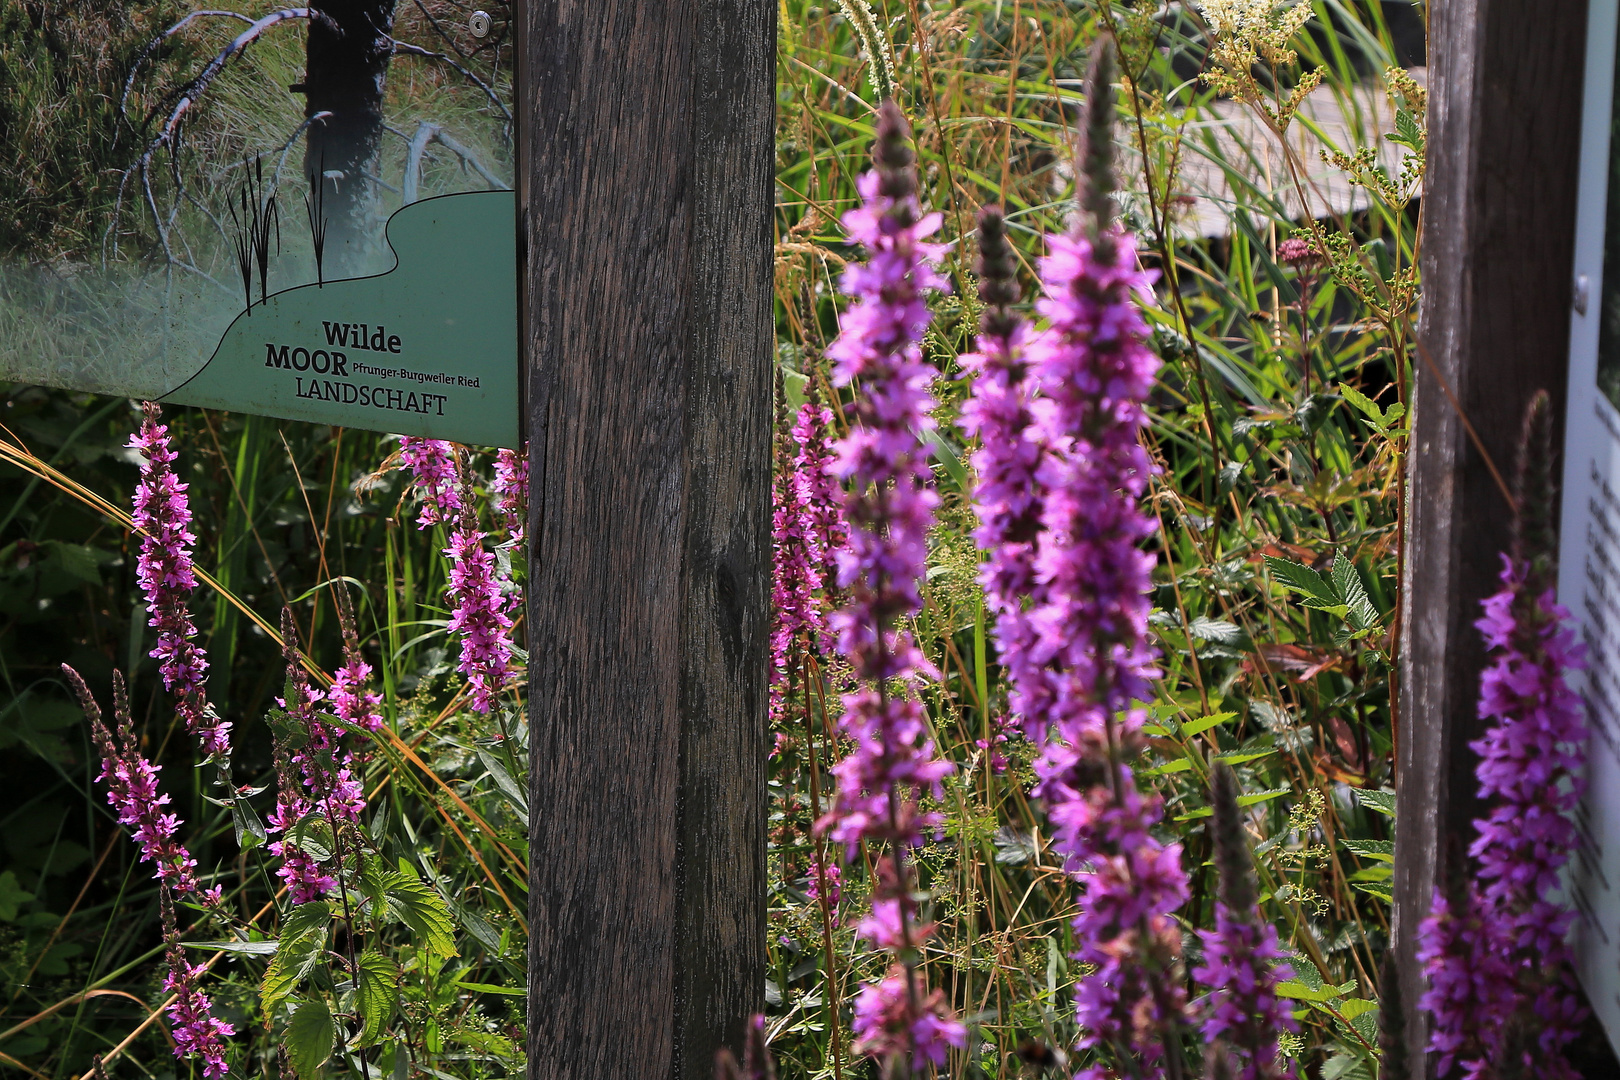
648	134
1505	79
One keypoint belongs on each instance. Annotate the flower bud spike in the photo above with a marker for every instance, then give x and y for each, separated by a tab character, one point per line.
1535	532
1095	156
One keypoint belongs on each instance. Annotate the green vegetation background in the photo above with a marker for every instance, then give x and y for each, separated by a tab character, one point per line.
1278	420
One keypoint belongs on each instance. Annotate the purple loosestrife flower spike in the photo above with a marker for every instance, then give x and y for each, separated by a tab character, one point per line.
1530	772
1006	497
300	742
1090	661
481	600
1495	949
433	473
799	559
1241	957
817	491
510	491
132	789
162	512
351	696
888	508
197	1032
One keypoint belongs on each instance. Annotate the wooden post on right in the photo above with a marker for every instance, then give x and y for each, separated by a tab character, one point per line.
1505	85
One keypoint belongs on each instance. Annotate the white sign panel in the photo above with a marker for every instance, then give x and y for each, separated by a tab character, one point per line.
1589	553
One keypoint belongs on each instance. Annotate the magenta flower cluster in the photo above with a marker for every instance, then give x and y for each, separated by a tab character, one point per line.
351	697
1079	656
1507	953
197	1031
482	599
805	526
132	791
432	463
164	570
1243	967
888	507
314	775
510	492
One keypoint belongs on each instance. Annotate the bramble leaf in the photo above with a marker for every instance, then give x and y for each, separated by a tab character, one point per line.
377	994
309	1038
425	912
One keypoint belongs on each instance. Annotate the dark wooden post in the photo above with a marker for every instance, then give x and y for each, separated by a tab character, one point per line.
1505	80
647	135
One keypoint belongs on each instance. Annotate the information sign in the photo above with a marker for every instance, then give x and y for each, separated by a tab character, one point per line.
1589	556
318	249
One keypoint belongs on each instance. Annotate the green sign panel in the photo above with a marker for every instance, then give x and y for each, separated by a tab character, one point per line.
426	348
305	213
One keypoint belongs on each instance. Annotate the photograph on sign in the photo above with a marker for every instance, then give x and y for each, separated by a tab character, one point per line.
1589	555
302	214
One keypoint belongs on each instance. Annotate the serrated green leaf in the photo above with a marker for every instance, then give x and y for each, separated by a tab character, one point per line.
1179	765
1194	815
1381	802
1263	796
1216	630
1382	850
1380	889
1316	589
377	994
1351	1008
1360	612
1305	971
425	912
1298	991
1203	724
303	944
308	1038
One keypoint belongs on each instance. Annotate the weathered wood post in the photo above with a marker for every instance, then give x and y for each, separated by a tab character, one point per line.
647	137
1505	80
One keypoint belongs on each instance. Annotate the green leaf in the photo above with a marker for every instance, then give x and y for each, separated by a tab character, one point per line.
1241	757
1355	1007
247	948
309	1038
1347	584
504	782
303	944
1217	630
424	911
250	831
1263	796
1380	889
1203	724
1381	802
1407	133
78	560
949	458
1298	991
1179	765
1382	850
1316	589
12	896
490	988
1362	402
1194	815
377	994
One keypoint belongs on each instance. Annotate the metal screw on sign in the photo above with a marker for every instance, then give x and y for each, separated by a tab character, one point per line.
479	24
